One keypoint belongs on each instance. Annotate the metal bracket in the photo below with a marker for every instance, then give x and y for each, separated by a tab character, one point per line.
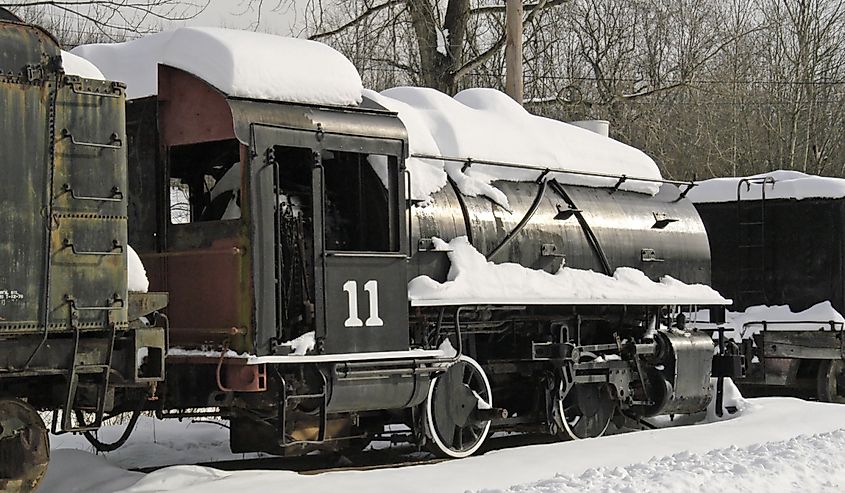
77	87
622	179
550	250
34	73
564	213
689	186
114	141
661	220
543	176
649	255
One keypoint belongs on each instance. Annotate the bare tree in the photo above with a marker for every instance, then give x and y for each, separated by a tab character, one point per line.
433	43
79	21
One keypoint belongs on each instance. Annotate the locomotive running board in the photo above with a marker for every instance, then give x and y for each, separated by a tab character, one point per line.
568	302
418	354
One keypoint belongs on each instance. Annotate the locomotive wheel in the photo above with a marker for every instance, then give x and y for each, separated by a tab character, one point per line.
24	446
830	382
584	412
449	418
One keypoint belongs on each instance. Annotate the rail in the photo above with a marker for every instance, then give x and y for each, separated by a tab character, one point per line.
544	170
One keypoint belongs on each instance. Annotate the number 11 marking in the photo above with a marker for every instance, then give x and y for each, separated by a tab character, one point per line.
371	287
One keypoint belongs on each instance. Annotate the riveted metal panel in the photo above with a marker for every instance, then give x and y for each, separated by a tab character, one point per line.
25	122
89	220
52	201
28	72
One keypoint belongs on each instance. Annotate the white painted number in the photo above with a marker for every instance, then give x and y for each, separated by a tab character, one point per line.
351	288
371	287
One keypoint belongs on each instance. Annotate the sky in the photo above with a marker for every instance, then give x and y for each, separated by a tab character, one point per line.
277	16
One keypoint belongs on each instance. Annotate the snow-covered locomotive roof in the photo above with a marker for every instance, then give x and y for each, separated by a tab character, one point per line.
485	124
785	184
238	63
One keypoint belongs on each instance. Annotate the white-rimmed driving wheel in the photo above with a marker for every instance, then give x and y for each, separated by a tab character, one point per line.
584	412
451	419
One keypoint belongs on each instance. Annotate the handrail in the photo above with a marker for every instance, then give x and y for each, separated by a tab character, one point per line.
545	169
116	196
114	141
66	243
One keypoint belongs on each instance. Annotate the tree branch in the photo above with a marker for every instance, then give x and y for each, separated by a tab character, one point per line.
357	20
500	43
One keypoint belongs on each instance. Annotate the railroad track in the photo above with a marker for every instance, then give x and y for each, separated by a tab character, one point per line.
371	459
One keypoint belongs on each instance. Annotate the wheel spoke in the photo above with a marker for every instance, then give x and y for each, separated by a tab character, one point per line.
585	412
458	438
468	374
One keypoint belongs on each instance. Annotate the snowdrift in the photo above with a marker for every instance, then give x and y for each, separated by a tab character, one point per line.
472	279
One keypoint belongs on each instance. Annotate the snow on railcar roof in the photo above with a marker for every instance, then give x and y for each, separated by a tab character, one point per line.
76	65
485	124
238	63
787	185
472	279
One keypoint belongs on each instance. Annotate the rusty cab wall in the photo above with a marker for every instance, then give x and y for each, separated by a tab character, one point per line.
181	145
266	220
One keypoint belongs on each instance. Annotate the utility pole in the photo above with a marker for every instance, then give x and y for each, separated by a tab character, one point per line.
513	49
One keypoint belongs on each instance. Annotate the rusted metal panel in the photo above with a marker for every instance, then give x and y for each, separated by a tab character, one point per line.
363	122
28	52
141	304
89	223
27	89
190	110
63	242
244	378
207	298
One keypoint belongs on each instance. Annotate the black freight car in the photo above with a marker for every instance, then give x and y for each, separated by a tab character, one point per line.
779	239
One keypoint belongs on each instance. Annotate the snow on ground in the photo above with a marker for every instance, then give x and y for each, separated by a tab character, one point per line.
787	185
775	444
812	319
472	278
160	442
239	63
486	124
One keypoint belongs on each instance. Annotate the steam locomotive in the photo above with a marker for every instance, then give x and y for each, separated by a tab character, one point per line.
281	303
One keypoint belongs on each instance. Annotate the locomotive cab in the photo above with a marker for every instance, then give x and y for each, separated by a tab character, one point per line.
271	220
